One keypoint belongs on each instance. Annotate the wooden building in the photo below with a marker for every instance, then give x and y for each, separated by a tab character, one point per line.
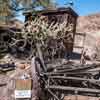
4	12
60	15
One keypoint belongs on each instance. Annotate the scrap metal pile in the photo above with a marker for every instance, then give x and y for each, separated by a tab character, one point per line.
72	79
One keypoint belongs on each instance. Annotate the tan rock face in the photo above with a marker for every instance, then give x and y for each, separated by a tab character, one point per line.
90	23
91	26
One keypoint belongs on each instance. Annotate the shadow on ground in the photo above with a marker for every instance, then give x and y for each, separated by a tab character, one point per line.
75	56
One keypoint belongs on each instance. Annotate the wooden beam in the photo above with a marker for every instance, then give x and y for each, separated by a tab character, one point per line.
68	73
80	47
38	46
65	88
73	78
82	68
82	34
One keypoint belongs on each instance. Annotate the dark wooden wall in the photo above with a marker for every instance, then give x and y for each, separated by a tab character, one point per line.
71	22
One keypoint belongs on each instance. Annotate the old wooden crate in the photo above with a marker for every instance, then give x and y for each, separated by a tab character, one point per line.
23	88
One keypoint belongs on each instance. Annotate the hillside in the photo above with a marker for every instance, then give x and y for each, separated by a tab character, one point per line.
90	23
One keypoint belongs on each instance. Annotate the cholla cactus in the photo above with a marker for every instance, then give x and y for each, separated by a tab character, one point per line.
41	29
38	31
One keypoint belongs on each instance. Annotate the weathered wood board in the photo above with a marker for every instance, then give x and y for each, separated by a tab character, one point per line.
79	97
23	88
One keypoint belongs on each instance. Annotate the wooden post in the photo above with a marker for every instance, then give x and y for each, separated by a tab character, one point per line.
38	46
35	83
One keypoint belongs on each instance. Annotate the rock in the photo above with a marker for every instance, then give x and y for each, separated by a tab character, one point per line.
23	66
91	53
3	79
